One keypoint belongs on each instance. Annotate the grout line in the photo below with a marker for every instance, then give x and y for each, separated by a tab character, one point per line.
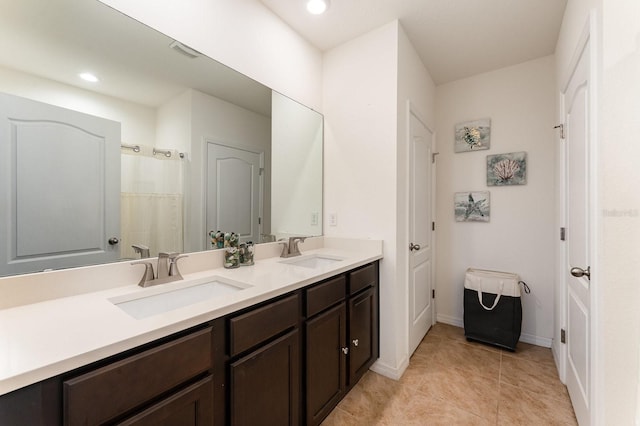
499	390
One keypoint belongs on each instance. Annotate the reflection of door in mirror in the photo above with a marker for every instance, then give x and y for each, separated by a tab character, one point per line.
60	186
234	191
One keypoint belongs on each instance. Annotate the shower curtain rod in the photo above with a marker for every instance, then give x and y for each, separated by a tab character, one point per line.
166	152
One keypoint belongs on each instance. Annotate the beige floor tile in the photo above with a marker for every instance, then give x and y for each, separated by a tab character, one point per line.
368	400
519	406
452	382
416	372
339	417
531	352
533	376
469	392
472	359
445	330
415	408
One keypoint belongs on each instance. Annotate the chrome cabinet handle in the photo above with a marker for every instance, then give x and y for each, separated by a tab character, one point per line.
579	272
345	351
355	342
413	247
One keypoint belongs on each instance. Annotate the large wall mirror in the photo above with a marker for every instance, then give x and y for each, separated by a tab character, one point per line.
165	147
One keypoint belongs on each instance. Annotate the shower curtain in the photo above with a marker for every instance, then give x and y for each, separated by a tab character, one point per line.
152	206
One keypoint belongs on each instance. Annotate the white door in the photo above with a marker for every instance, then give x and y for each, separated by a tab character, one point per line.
234	191
59	186
578	225
420	232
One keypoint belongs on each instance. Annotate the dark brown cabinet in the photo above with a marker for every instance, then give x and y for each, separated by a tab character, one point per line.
265	385
286	361
123	389
363	334
190	406
341	342
263	366
326	362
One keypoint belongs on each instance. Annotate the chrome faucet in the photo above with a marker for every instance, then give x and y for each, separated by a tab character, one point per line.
142	250
166	271
291	248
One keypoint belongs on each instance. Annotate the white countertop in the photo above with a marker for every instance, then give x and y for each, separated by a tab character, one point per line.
44	339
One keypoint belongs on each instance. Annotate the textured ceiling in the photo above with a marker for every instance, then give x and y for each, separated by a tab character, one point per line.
454	38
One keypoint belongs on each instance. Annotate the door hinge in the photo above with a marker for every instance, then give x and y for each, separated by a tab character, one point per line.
433	293
433	226
561	127
563	336
433	157
261	171
563	233
259	221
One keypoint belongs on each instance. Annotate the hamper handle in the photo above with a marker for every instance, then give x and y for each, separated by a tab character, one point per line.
495	302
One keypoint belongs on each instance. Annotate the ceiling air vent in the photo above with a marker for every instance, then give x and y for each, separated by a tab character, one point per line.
185	50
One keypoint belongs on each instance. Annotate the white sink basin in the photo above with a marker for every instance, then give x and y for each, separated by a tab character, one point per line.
167	297
313	261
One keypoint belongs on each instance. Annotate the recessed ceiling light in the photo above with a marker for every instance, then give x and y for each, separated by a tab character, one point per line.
87	76
317	7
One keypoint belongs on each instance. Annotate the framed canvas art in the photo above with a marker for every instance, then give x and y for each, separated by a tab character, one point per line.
507	169
472	206
473	135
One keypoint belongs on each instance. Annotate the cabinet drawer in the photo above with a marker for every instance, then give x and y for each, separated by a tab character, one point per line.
326	294
188	407
362	278
258	325
110	391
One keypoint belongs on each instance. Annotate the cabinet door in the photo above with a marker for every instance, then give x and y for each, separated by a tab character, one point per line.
363	334
326	362
191	406
265	385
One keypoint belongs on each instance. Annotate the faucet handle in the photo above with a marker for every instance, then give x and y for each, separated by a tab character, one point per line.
285	248
148	272
173	264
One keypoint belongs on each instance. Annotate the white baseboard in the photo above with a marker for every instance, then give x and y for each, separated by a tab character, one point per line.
457	322
524	337
536	340
389	371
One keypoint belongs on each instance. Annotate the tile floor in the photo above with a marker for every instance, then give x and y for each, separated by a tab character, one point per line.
454	382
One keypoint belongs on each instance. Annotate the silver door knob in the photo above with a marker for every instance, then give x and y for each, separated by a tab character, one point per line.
579	272
113	241
345	351
356	342
413	247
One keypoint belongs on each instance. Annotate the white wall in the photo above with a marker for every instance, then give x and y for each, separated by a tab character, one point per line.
173	125
360	95
296	172
242	34
520	236
620	202
367	82
138	121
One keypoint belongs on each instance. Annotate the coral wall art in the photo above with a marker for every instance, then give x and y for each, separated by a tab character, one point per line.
473	135
472	206
507	169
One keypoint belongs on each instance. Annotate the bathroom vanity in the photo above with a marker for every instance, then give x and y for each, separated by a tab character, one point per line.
263	355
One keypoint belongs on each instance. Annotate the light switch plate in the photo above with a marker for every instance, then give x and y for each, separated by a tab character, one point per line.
333	219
